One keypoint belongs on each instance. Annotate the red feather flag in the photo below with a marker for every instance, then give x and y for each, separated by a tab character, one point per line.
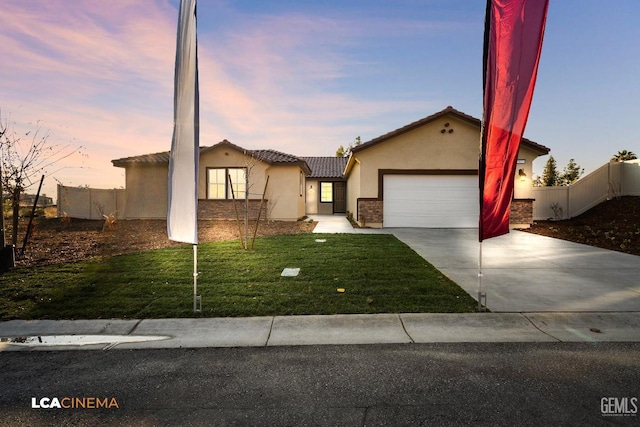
514	31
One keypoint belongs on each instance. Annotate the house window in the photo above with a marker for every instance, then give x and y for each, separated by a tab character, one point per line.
219	185
238	180
326	192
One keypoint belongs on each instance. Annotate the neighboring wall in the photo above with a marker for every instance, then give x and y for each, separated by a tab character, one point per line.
613	179
90	203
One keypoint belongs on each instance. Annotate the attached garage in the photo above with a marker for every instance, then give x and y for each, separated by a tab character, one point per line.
425	174
430	201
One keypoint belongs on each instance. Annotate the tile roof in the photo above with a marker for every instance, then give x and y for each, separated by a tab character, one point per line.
273	156
162	157
268	156
428	119
326	167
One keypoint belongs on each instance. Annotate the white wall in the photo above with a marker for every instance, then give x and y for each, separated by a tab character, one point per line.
90	203
611	180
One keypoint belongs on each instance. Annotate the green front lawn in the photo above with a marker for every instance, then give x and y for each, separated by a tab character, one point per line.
379	274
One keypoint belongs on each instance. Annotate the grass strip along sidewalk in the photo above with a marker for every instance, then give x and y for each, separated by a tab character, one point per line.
379	274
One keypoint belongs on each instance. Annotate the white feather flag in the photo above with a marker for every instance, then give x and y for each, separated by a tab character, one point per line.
182	217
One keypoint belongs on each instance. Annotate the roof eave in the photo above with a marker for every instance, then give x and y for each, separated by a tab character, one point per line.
418	123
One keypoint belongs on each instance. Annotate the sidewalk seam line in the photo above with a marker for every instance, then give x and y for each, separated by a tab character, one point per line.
135	326
536	326
405	329
273	319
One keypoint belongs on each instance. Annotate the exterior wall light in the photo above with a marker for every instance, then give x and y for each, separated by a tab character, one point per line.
523	176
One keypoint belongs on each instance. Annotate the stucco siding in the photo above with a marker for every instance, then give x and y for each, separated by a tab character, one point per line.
426	147
283	192
313	196
147	185
353	189
226	157
147	191
523	185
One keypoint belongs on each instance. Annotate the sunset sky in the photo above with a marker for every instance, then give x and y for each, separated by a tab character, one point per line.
303	77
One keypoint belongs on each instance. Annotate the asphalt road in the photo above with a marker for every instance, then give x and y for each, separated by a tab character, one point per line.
406	384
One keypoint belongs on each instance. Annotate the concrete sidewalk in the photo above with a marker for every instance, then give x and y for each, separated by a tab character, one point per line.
406	328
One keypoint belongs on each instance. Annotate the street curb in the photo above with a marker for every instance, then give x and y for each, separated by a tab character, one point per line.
342	329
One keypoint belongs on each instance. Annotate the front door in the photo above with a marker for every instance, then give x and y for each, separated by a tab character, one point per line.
339	197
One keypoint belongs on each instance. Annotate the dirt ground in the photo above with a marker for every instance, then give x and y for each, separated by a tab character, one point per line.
54	240
614	225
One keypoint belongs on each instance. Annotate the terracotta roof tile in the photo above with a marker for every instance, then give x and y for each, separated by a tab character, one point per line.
326	167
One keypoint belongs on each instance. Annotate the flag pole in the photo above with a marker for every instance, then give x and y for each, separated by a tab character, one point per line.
197	299
482	296
182	212
513	36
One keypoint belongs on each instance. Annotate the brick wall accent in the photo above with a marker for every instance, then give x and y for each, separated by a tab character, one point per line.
521	211
223	209
370	211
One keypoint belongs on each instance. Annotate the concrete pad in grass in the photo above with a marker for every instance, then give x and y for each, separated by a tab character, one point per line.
290	272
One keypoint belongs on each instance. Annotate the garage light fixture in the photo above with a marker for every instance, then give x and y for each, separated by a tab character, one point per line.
523	176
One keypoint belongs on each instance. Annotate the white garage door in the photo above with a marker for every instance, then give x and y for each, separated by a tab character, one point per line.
431	201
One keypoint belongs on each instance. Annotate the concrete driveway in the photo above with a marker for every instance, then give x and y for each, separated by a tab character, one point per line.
525	272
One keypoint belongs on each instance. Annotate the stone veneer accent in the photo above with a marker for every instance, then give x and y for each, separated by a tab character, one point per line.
521	211
370	211
223	209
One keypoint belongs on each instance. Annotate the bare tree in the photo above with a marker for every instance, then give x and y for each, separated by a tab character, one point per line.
24	158
250	163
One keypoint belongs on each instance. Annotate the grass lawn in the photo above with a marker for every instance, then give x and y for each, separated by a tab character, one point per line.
379	273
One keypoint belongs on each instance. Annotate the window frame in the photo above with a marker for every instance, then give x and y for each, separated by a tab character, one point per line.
227	187
322	195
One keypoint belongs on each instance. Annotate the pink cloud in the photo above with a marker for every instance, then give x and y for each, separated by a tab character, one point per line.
100	74
94	72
